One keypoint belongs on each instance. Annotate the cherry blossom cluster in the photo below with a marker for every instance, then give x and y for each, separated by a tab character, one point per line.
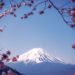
68	13
32	4
5	57
9	72
73	46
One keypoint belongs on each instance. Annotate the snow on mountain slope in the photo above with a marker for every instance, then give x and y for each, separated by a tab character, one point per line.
38	55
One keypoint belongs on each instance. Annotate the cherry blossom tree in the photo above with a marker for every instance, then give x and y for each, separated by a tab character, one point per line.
5	57
65	10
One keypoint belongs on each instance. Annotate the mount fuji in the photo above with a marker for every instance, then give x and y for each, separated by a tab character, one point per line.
38	55
39	62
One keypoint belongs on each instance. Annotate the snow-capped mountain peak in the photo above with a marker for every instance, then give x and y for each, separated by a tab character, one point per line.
37	55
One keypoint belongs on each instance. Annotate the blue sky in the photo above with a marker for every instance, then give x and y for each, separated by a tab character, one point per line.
46	31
